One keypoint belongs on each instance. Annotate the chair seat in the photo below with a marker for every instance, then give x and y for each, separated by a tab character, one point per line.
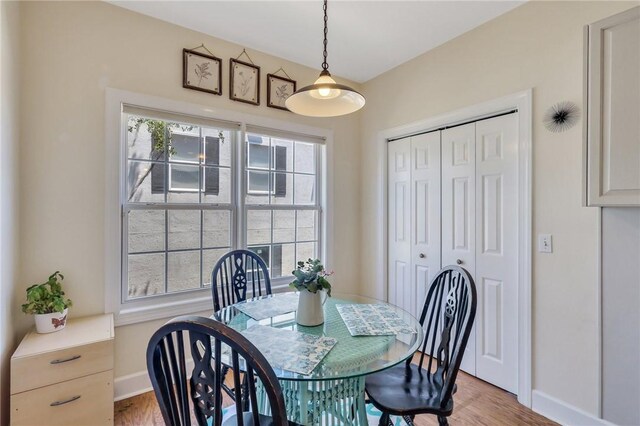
407	390
247	419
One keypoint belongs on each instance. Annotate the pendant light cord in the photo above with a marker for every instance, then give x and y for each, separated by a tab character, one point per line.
325	65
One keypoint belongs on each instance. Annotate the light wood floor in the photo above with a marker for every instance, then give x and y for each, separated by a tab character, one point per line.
476	403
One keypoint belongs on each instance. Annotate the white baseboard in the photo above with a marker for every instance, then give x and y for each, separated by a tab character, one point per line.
137	383
563	413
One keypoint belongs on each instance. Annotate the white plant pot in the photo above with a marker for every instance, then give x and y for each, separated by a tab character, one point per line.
310	308
48	323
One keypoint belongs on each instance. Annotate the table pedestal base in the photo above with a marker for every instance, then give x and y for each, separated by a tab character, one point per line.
323	402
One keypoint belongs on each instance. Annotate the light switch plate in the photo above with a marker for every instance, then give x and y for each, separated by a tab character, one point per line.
545	243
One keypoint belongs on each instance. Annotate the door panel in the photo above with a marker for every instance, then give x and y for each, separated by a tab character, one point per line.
425	181
458	209
399	231
496	271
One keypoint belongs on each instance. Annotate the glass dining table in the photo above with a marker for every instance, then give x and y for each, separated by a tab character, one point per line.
333	393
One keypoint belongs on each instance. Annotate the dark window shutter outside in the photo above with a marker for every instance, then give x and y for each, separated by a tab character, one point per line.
157	172
276	266
212	158
280	178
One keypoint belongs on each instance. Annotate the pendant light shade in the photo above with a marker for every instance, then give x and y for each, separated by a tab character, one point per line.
325	97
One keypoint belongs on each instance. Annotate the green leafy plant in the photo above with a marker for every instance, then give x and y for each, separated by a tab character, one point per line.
46	298
311	276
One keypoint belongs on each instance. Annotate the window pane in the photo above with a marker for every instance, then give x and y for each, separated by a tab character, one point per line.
282	260
183	270
262	251
145	182
146	274
257	188
258	152
282	155
305	251
209	259
305	187
217	228
184	229
184	147
184	178
284	226
258	227
145	138
146	230
282	188
306	225
216	185
305	158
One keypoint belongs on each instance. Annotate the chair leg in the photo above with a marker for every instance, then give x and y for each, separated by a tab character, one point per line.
409	420
385	420
442	421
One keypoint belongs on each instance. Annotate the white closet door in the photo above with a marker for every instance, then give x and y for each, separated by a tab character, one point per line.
496	268
425	214
459	209
399	231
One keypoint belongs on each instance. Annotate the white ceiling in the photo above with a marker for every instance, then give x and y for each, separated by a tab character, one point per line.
366	38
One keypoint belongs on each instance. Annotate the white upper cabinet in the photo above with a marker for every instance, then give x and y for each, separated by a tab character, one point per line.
612	134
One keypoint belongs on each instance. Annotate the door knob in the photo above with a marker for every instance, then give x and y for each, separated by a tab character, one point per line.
422	255
459	261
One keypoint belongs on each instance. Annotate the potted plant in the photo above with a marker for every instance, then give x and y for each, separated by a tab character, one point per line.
47	302
311	281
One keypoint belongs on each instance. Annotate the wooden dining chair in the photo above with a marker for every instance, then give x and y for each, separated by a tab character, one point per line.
234	274
447	318
203	338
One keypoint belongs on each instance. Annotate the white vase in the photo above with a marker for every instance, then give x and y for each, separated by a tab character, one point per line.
48	323
310	308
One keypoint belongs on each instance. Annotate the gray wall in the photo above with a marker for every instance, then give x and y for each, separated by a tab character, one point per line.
621	315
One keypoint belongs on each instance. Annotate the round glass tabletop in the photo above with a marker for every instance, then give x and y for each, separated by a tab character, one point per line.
352	356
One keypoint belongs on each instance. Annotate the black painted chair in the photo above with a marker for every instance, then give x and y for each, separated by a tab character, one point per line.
236	273
447	318
204	337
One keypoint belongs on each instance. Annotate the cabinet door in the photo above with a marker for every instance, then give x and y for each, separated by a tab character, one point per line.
458	209
613	110
399	228
425	214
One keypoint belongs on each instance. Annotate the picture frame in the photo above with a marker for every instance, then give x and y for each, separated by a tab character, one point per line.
201	72
278	90
244	82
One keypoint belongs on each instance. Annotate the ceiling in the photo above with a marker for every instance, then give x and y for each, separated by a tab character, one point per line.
366	38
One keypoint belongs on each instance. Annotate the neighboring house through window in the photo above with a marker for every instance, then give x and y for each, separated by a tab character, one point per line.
184	203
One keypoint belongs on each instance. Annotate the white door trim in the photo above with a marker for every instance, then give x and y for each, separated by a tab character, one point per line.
522	101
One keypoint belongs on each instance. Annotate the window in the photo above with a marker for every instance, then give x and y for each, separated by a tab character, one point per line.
179	209
193	189
282	207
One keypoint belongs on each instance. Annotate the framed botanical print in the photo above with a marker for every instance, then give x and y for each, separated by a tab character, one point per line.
244	82
278	90
201	72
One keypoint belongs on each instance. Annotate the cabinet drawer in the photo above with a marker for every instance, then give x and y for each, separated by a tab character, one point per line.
84	401
31	372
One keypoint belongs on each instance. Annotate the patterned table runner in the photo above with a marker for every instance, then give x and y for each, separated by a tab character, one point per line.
268	307
288	349
373	320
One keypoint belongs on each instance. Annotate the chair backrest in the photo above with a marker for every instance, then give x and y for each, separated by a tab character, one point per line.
204	337
235	273
447	318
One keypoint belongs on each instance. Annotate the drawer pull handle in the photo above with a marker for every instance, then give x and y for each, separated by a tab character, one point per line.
65	401
60	361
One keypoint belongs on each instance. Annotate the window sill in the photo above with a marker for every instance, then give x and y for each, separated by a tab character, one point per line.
166	310
170	309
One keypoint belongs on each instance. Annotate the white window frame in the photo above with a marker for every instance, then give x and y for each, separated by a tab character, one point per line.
197	301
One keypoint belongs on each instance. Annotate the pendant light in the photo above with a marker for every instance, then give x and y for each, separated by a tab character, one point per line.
325	97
